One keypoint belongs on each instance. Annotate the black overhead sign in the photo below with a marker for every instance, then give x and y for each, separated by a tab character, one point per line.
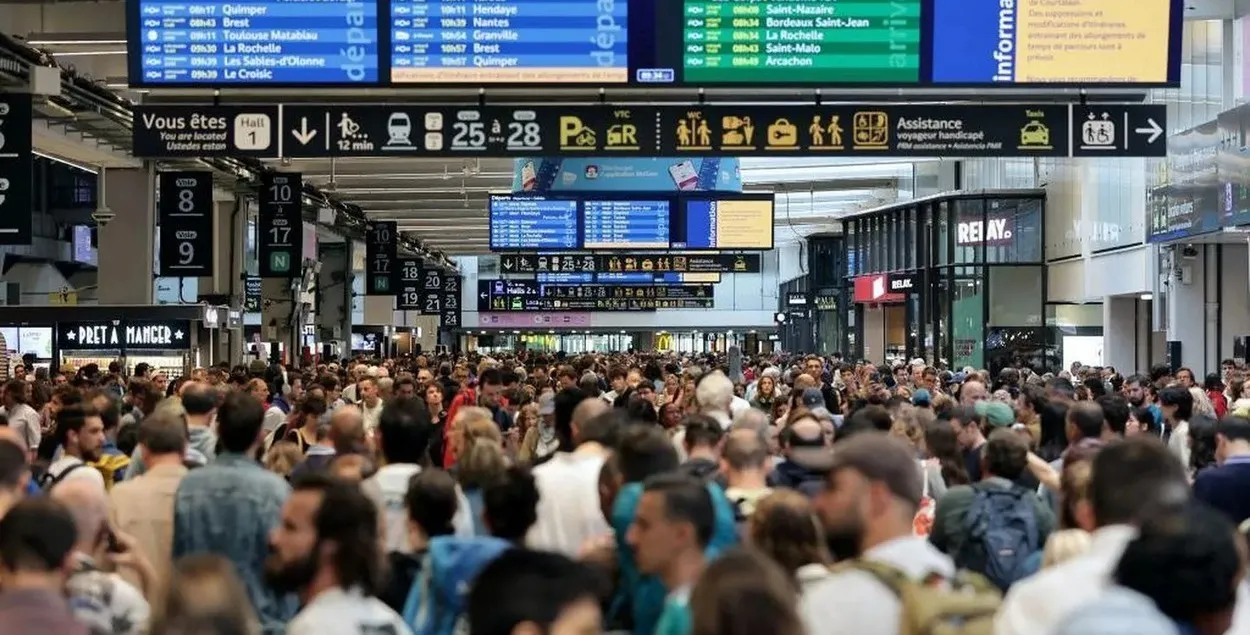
634	262
380	255
901	130
206	131
450	315
116	335
904	283
527	295
432	291
185	209
407	284
280	226
16	169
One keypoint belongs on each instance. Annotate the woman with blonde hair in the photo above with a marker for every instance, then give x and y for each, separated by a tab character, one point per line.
480	460
204	597
784	527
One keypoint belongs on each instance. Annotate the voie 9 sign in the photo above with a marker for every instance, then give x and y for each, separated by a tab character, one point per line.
991	231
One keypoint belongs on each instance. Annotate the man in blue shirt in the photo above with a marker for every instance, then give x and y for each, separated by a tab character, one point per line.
1224	487
229	507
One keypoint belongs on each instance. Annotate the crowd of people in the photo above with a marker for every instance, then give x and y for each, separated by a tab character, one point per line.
645	493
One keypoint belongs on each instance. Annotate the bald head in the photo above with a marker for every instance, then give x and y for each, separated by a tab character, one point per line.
347	430
972	392
88	504
588	409
751	419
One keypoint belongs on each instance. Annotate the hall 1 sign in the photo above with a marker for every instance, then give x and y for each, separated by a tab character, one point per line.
118	335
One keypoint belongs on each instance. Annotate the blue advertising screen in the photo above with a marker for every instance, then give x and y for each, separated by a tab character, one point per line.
533	223
255	42
626	224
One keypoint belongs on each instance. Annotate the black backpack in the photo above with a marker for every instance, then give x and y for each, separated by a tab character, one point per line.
47	481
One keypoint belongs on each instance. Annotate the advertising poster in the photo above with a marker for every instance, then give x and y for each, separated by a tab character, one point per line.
624	174
1191	200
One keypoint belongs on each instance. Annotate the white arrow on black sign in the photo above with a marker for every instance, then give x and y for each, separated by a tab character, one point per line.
1154	130
303	134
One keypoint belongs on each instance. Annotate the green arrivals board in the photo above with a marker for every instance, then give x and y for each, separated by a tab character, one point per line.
801	41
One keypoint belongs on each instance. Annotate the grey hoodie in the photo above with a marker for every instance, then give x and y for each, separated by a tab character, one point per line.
201	450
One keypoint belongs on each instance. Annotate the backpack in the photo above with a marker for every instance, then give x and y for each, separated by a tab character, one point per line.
47	481
1001	535
963	605
436	601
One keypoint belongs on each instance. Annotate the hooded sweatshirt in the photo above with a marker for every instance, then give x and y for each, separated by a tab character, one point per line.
645	594
201	450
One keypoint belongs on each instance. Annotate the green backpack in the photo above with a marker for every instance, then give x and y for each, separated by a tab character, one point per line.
964	605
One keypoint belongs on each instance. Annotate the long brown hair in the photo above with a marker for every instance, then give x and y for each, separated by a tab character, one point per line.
743	592
784	526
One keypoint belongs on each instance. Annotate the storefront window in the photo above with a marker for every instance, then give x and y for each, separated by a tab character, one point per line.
1013	230
1015	296
970	232
967	318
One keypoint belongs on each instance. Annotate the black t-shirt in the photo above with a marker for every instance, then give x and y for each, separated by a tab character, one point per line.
972	461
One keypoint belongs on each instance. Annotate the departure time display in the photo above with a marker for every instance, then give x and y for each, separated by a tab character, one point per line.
255	42
605	43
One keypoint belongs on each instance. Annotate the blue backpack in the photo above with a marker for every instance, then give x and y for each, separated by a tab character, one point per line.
1002	536
436	601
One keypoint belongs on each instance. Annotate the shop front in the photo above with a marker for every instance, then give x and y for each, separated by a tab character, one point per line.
164	345
957	278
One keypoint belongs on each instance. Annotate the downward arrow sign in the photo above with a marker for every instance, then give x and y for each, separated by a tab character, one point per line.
1154	130
304	135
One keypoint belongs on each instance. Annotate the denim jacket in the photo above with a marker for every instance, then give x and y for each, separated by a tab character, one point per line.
228	508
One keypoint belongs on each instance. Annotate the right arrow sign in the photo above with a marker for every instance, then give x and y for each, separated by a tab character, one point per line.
1137	130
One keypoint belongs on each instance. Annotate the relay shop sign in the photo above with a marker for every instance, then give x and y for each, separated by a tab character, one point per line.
118	335
994	231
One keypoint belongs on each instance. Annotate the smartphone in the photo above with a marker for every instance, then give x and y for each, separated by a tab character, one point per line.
529	177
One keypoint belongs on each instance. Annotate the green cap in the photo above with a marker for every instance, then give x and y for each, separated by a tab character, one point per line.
999	414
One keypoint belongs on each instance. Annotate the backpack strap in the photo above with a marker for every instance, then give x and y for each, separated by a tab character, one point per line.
52	482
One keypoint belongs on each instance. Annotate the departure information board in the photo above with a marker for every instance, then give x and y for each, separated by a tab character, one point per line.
612	43
626	224
629	222
517	42
835	41
254	42
533	223
529	295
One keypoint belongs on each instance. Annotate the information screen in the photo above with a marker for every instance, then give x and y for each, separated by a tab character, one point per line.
516	42
533	223
626	224
728	224
605	43
254	42
801	41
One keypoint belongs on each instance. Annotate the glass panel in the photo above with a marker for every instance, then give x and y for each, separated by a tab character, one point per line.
968	319
1016	296
943	233
1013	230
969	230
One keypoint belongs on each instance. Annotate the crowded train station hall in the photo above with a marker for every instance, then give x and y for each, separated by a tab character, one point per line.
645	317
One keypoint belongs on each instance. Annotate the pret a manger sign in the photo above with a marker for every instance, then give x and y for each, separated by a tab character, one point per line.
170	334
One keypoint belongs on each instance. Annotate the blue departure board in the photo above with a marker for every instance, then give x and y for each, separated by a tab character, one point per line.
255	42
565	278
626	224
515	42
533	223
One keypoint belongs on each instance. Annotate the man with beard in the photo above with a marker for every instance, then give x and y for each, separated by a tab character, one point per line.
326	552
872	496
80	433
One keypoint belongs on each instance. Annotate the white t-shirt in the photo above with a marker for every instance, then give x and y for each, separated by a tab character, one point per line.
26	421
347	611
857	603
568	511
370	416
387	488
66	462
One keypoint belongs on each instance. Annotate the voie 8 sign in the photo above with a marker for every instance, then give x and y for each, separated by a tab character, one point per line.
185	214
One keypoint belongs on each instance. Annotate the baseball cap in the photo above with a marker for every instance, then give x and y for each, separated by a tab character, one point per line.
812	398
547	404
882	458
921	397
959	377
997	413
